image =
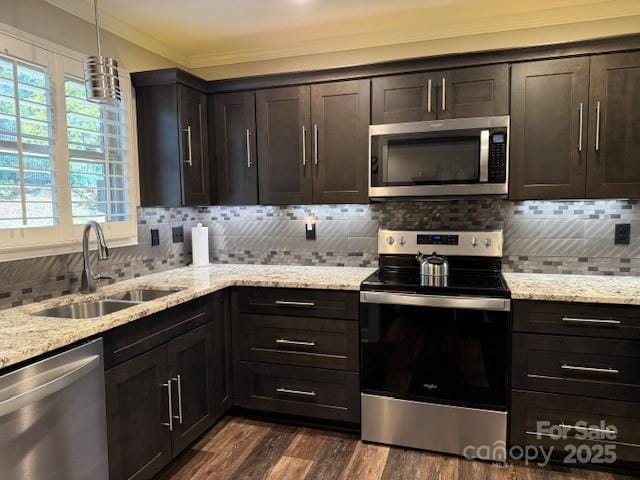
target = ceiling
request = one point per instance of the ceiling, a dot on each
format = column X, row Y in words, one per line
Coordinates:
column 203, row 33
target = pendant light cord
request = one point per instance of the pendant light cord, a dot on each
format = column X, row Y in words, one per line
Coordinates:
column 95, row 8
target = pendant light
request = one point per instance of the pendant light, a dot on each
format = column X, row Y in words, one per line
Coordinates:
column 101, row 73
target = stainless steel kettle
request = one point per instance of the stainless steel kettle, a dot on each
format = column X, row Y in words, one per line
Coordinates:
column 433, row 265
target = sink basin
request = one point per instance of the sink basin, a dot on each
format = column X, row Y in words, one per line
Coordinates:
column 143, row 295
column 86, row 309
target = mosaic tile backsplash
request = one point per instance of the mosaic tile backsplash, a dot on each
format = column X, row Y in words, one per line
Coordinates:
column 573, row 237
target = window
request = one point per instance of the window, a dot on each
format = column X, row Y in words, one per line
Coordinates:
column 97, row 157
column 27, row 196
column 63, row 159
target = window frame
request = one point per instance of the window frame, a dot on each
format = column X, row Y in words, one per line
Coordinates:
column 64, row 236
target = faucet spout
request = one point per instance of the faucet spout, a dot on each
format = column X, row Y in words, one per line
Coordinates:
column 88, row 280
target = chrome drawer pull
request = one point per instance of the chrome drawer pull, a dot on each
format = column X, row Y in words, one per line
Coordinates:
column 178, row 379
column 296, row 392
column 284, row 341
column 587, row 429
column 591, row 321
column 170, row 423
column 613, row 371
column 286, row 303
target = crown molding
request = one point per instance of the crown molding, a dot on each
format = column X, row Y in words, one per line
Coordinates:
column 84, row 10
column 509, row 23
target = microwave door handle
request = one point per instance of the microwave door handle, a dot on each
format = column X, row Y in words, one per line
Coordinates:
column 484, row 156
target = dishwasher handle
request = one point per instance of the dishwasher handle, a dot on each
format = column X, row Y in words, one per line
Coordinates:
column 55, row 380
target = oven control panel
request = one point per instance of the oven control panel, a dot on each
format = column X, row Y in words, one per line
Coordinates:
column 479, row 243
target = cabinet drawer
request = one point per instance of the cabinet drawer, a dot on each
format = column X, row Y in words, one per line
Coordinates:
column 580, row 319
column 299, row 302
column 303, row 341
column 577, row 365
column 309, row 392
column 124, row 343
column 582, row 418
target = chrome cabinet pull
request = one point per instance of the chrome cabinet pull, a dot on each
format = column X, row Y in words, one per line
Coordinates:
column 580, row 129
column 444, row 94
column 304, row 393
column 429, row 96
column 248, row 138
column 201, row 135
column 597, row 126
column 178, row 380
column 586, row 429
column 286, row 303
column 284, row 341
column 592, row 321
column 304, row 146
column 189, row 160
column 315, row 143
column 577, row 368
column 169, row 394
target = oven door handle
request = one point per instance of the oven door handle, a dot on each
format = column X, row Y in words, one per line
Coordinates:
column 484, row 156
column 438, row 301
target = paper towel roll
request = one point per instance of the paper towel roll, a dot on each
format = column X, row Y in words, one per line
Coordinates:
column 200, row 245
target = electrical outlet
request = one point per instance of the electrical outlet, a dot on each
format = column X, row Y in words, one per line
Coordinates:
column 155, row 237
column 622, row 234
column 178, row 234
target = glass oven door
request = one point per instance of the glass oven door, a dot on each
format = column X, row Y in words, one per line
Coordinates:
column 450, row 355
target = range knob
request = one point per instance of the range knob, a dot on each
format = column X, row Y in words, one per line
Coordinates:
column 487, row 242
column 402, row 241
column 475, row 242
column 390, row 240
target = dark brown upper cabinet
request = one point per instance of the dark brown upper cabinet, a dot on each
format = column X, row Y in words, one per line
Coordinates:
column 284, row 145
column 613, row 161
column 465, row 92
column 340, row 116
column 312, row 143
column 549, row 114
column 234, row 124
column 172, row 139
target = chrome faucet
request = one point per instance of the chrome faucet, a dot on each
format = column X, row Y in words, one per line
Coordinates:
column 89, row 279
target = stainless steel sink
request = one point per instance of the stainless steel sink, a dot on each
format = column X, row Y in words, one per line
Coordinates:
column 142, row 295
column 86, row 309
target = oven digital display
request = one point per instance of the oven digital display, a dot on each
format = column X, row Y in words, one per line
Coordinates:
column 437, row 239
column 498, row 138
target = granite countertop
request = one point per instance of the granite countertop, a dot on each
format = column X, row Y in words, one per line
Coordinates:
column 24, row 336
column 574, row 288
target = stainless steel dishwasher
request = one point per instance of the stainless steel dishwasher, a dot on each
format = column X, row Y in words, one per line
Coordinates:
column 52, row 418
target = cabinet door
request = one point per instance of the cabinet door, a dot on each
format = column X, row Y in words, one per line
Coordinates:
column 194, row 150
column 137, row 409
column 236, row 172
column 473, row 92
column 223, row 359
column 158, row 146
column 404, row 98
column 284, row 145
column 614, row 126
column 340, row 121
column 191, row 360
column 549, row 112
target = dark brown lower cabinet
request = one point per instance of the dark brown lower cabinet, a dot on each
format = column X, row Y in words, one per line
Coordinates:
column 223, row 358
column 139, row 444
column 158, row 403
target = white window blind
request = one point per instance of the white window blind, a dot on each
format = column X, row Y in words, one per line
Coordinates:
column 96, row 136
column 63, row 159
column 27, row 186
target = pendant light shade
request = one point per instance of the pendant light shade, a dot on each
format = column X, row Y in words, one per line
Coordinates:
column 101, row 78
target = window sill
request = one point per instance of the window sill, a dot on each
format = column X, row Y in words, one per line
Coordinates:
column 62, row 248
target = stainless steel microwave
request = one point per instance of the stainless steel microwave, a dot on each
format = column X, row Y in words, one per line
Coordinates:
column 440, row 158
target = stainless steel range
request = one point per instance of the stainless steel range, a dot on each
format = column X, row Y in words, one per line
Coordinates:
column 435, row 341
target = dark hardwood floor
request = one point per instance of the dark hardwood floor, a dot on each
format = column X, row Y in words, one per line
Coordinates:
column 242, row 449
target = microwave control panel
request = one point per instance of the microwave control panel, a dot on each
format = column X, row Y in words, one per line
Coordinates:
column 498, row 157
